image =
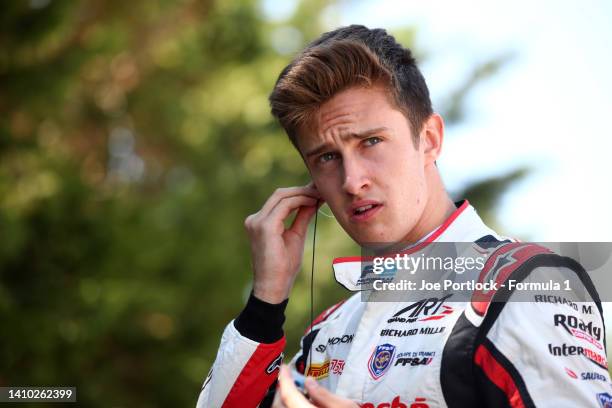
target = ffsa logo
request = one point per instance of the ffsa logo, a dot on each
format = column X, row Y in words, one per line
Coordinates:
column 423, row 310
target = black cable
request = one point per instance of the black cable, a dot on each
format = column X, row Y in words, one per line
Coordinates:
column 314, row 241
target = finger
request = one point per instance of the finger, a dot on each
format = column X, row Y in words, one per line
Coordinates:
column 277, row 403
column 282, row 193
column 314, row 188
column 324, row 398
column 290, row 395
column 312, row 185
column 287, row 206
column 303, row 217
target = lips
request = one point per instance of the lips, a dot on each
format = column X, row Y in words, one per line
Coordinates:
column 363, row 210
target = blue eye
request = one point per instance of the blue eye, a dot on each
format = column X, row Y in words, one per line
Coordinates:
column 372, row 141
column 325, row 157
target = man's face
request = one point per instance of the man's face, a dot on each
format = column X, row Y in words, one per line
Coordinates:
column 363, row 162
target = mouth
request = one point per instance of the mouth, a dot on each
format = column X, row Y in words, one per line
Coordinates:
column 364, row 211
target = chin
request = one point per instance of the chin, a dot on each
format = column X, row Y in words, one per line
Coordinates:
column 364, row 238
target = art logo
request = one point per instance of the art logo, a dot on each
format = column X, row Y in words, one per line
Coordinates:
column 318, row 371
column 380, row 360
column 423, row 310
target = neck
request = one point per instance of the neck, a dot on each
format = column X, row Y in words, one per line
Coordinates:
column 438, row 208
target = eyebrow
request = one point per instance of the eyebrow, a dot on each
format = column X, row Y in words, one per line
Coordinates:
column 361, row 135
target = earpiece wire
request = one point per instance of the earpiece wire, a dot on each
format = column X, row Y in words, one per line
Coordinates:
column 314, row 242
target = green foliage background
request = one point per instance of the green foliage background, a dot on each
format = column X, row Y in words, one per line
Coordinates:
column 135, row 137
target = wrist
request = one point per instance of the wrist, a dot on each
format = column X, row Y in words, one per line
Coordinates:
column 261, row 321
column 272, row 295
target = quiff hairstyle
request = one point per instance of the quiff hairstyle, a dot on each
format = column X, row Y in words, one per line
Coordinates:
column 343, row 58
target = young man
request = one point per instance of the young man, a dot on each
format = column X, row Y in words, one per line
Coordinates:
column 358, row 110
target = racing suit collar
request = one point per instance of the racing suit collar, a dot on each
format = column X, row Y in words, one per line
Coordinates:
column 463, row 225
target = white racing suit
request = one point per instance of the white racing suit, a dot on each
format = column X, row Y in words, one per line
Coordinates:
column 486, row 351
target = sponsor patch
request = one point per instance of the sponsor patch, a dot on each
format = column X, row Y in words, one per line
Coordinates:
column 345, row 338
column 412, row 332
column 414, row 358
column 318, row 371
column 413, row 361
column 275, row 364
column 416, row 354
column 605, row 400
column 592, row 356
column 423, row 310
column 332, row 341
column 593, row 376
column 579, row 329
column 380, row 360
column 555, row 300
column 336, row 366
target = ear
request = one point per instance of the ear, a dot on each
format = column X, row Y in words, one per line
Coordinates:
column 432, row 136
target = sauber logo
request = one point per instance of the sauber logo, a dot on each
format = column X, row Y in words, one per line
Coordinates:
column 593, row 376
column 397, row 403
column 571, row 373
column 579, row 329
column 431, row 309
column 587, row 375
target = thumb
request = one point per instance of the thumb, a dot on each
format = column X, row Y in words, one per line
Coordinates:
column 321, row 396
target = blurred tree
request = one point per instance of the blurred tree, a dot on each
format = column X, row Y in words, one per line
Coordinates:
column 485, row 193
column 135, row 138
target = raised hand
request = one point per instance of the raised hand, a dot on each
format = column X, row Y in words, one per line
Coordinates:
column 276, row 251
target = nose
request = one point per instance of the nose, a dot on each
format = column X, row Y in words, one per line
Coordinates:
column 356, row 178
